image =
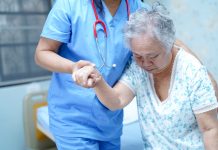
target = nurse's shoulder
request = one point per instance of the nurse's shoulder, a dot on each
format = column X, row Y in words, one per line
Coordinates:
column 69, row 5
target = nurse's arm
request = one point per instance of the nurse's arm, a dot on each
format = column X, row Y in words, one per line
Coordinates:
column 208, row 125
column 186, row 48
column 46, row 56
column 113, row 98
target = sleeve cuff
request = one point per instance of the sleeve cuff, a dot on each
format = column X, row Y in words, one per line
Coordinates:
column 56, row 38
column 205, row 109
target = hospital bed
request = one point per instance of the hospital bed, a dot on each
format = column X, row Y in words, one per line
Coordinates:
column 39, row 137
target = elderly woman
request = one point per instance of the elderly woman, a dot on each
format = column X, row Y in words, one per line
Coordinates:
column 175, row 98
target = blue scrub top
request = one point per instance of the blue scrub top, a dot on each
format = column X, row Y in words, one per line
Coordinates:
column 75, row 111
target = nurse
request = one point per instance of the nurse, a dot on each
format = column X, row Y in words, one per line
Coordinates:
column 77, row 119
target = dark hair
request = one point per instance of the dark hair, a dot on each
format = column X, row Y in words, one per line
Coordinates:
column 99, row 5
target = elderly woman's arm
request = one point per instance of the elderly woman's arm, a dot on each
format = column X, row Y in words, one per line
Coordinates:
column 208, row 125
column 113, row 98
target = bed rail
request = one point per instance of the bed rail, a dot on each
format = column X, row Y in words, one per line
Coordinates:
column 34, row 138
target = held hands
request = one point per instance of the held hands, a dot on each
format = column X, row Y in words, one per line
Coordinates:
column 85, row 74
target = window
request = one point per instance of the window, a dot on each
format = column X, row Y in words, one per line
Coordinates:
column 21, row 22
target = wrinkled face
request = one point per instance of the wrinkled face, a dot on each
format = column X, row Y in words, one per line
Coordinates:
column 150, row 54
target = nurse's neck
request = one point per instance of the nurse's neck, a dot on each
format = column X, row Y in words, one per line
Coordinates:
column 112, row 5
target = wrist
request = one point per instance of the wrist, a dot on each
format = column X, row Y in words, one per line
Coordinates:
column 100, row 83
column 72, row 67
column 72, row 71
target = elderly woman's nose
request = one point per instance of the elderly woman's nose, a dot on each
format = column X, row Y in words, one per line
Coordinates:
column 147, row 62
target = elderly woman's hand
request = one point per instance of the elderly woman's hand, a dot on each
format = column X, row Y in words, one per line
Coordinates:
column 87, row 76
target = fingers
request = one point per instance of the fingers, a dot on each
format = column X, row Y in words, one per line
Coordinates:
column 81, row 76
column 90, row 82
column 87, row 76
column 96, row 77
column 80, row 64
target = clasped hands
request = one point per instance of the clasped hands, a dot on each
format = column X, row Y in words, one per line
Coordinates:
column 85, row 74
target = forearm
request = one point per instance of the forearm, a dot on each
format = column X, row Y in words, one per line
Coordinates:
column 53, row 62
column 107, row 95
column 210, row 138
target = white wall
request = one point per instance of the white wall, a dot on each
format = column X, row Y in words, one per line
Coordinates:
column 11, row 114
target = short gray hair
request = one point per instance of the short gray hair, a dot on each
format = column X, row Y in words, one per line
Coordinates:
column 154, row 22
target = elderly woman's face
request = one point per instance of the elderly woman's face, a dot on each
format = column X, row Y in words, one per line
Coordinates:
column 150, row 54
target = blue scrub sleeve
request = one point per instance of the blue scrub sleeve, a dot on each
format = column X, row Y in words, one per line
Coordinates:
column 58, row 23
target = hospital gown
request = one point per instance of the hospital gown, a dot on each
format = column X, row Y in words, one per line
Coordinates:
column 171, row 124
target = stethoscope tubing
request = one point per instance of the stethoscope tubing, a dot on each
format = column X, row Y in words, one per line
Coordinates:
column 98, row 21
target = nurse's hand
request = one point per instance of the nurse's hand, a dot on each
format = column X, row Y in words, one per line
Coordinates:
column 87, row 76
column 80, row 64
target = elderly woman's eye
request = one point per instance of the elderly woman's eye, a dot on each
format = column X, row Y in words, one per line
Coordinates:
column 152, row 57
column 137, row 57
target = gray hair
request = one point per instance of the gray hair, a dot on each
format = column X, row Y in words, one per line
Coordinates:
column 154, row 22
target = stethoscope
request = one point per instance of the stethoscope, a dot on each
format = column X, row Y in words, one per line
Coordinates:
column 100, row 22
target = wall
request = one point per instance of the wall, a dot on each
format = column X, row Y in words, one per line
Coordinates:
column 197, row 26
column 21, row 22
column 11, row 114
